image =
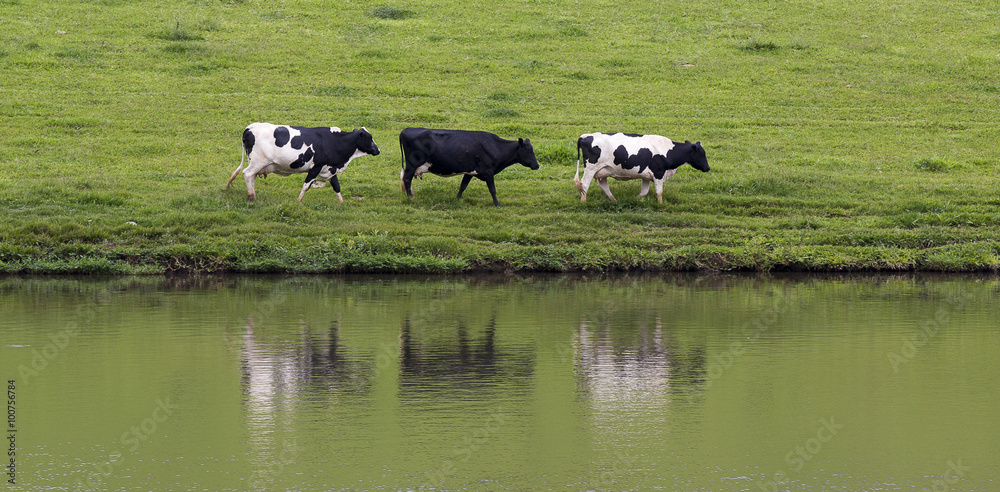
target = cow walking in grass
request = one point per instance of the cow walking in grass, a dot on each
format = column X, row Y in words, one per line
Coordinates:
column 321, row 153
column 453, row 152
column 624, row 156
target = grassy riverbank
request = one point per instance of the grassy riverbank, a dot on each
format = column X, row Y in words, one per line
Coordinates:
column 841, row 135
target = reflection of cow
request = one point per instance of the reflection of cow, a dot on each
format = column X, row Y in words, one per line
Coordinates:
column 611, row 372
column 627, row 386
column 313, row 364
column 461, row 362
column 276, row 376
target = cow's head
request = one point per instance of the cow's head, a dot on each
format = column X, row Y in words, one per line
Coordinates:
column 526, row 154
column 697, row 157
column 366, row 143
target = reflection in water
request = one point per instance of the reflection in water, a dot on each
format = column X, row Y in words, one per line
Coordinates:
column 614, row 375
column 516, row 384
column 457, row 362
column 278, row 376
column 637, row 383
column 270, row 381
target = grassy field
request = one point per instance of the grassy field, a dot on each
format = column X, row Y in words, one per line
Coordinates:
column 841, row 135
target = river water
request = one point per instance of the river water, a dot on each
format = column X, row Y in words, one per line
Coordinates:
column 650, row 382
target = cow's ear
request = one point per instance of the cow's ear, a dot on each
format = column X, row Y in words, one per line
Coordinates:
column 520, row 141
column 687, row 141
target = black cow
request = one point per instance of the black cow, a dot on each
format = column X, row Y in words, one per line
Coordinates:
column 284, row 150
column 454, row 152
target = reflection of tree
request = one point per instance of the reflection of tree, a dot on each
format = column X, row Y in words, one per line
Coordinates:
column 459, row 362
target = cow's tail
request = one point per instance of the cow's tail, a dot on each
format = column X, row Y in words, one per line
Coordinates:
column 576, row 178
column 243, row 155
column 402, row 157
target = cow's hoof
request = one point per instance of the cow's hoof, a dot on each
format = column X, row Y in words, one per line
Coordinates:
column 318, row 184
column 340, row 198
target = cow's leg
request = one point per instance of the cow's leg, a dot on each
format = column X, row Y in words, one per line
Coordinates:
column 250, row 176
column 603, row 183
column 406, row 179
column 659, row 190
column 492, row 187
column 644, row 188
column 310, row 177
column 335, row 186
column 465, row 182
column 584, row 185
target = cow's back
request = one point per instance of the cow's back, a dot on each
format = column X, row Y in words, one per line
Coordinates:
column 610, row 142
column 447, row 148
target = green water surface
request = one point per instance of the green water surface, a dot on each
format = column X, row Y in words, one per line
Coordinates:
column 672, row 382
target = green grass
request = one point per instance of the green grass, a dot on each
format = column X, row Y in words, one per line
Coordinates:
column 841, row 136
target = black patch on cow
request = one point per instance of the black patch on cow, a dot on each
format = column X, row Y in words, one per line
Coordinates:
column 303, row 159
column 248, row 141
column 297, row 142
column 590, row 153
column 644, row 159
column 633, row 135
column 281, row 136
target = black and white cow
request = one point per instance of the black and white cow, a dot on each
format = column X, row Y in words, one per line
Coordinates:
column 284, row 150
column 454, row 152
column 627, row 156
